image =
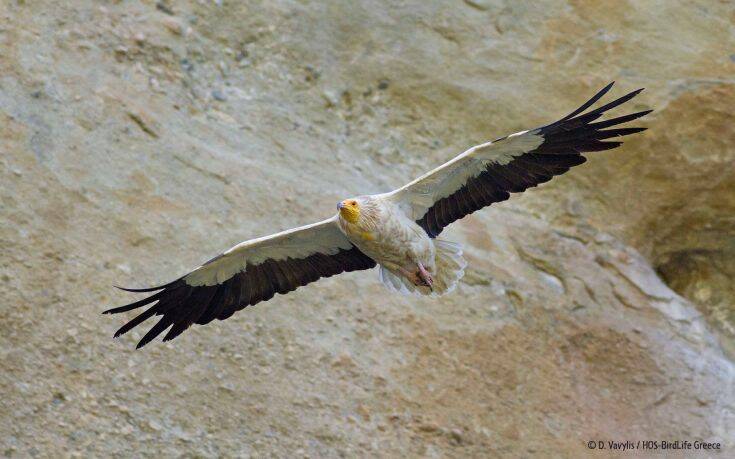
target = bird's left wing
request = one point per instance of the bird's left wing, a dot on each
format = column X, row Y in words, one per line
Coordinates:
column 489, row 172
column 248, row 273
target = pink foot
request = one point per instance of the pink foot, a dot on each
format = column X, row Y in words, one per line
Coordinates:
column 420, row 278
column 426, row 278
column 412, row 276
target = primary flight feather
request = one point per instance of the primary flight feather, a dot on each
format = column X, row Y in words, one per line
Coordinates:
column 397, row 230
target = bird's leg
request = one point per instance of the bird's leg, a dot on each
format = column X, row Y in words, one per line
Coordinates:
column 420, row 278
column 411, row 276
column 426, row 278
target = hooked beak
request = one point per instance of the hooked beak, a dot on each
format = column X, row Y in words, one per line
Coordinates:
column 340, row 205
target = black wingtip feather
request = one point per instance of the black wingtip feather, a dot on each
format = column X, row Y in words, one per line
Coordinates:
column 176, row 330
column 612, row 133
column 616, row 102
column 156, row 330
column 135, row 305
column 602, row 146
column 590, row 102
column 136, row 321
column 619, row 120
column 147, row 289
column 139, row 290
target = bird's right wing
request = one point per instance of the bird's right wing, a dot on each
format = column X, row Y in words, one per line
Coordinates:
column 250, row 272
column 489, row 172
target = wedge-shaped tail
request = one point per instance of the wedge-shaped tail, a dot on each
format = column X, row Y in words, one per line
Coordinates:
column 450, row 265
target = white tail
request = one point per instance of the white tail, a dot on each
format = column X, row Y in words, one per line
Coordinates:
column 449, row 270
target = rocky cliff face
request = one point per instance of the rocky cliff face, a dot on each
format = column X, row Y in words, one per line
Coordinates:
column 138, row 139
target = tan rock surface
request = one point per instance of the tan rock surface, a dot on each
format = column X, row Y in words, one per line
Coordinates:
column 137, row 140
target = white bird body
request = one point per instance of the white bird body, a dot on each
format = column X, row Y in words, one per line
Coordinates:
column 386, row 235
column 398, row 244
column 398, row 230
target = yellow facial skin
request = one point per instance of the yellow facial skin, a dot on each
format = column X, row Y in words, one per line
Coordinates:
column 349, row 210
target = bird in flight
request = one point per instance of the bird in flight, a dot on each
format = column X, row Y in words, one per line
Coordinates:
column 399, row 230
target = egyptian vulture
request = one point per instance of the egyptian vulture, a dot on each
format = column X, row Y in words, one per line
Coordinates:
column 397, row 230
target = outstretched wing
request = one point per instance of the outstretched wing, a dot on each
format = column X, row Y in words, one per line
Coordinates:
column 489, row 172
column 248, row 273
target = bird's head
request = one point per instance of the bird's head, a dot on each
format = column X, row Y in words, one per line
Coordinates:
column 349, row 210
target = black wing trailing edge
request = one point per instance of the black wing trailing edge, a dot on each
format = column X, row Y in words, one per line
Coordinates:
column 562, row 148
column 182, row 305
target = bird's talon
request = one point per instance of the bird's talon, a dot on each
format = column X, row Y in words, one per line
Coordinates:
column 425, row 277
